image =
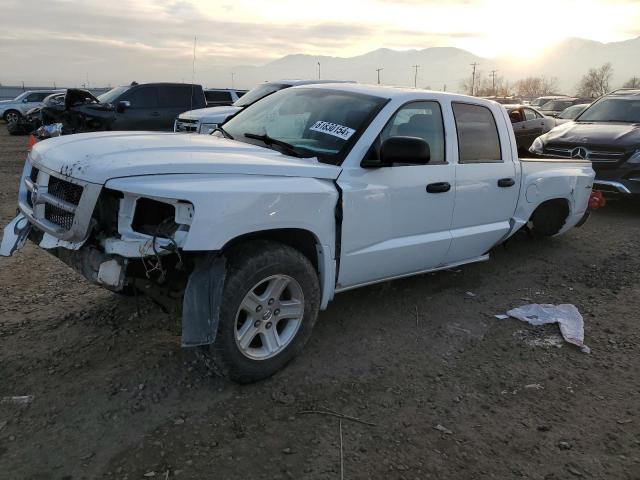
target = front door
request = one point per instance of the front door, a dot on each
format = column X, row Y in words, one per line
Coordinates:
column 143, row 113
column 487, row 183
column 396, row 219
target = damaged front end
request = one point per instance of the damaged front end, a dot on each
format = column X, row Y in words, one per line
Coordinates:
column 123, row 242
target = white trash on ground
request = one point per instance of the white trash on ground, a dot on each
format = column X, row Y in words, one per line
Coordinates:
column 567, row 315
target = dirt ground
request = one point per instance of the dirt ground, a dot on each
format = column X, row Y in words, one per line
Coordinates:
column 447, row 390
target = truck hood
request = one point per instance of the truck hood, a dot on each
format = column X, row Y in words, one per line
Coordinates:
column 622, row 135
column 210, row 115
column 101, row 156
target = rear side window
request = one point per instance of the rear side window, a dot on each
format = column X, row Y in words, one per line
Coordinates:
column 478, row 140
column 175, row 96
column 143, row 97
column 218, row 96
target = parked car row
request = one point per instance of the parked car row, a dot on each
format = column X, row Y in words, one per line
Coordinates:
column 206, row 120
column 150, row 106
column 12, row 110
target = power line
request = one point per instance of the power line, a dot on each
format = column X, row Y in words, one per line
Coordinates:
column 473, row 78
column 415, row 77
column 378, row 70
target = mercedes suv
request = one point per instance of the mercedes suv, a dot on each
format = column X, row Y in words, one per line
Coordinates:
column 608, row 134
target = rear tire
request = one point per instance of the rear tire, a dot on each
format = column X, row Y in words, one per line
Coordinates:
column 270, row 304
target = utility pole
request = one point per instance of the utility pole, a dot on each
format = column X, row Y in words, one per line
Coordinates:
column 319, row 71
column 379, row 70
column 233, row 74
column 415, row 76
column 493, row 78
column 473, row 78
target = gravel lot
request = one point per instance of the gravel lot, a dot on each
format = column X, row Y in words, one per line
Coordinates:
column 448, row 391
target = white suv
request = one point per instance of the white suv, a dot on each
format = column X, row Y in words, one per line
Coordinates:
column 206, row 120
column 12, row 110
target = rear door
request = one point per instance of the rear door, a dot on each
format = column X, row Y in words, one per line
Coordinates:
column 487, row 182
column 396, row 219
column 174, row 100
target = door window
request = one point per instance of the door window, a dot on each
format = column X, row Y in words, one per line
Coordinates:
column 422, row 120
column 37, row 97
column 478, row 140
column 530, row 114
column 144, row 97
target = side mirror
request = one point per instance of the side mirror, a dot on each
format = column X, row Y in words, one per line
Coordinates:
column 25, row 100
column 411, row 150
column 122, row 106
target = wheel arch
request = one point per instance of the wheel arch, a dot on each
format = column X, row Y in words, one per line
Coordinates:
column 307, row 243
column 558, row 202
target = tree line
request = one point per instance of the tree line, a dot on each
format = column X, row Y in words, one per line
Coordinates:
column 595, row 83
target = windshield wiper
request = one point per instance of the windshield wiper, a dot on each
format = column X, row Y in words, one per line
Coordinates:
column 225, row 134
column 287, row 147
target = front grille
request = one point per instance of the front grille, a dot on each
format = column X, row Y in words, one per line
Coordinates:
column 186, row 125
column 60, row 217
column 67, row 191
column 593, row 154
column 61, row 207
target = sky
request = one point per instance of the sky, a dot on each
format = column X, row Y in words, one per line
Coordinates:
column 111, row 42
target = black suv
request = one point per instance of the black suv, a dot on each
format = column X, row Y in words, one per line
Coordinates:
column 608, row 134
column 152, row 106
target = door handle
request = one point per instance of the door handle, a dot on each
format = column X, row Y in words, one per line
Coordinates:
column 506, row 182
column 155, row 114
column 439, row 187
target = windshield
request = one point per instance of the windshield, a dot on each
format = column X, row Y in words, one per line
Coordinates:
column 313, row 122
column 255, row 94
column 571, row 112
column 612, row 110
column 112, row 95
column 556, row 105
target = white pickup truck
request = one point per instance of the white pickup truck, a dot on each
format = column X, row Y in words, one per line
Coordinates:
column 310, row 192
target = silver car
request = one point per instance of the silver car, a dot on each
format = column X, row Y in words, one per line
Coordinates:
column 12, row 110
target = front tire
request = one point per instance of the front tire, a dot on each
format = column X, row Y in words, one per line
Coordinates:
column 11, row 116
column 270, row 304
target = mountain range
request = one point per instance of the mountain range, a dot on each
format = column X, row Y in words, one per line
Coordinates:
column 442, row 68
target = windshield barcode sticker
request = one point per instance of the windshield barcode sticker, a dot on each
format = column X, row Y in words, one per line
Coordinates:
column 333, row 129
